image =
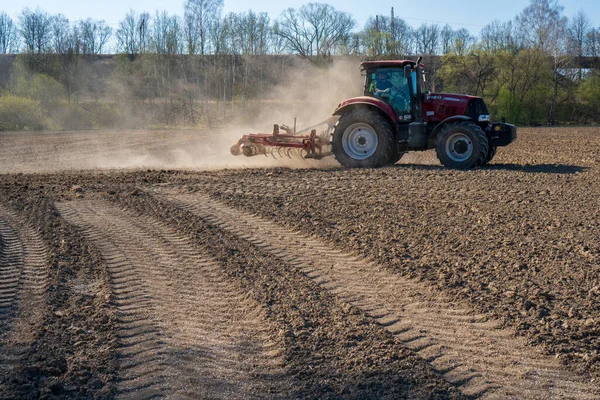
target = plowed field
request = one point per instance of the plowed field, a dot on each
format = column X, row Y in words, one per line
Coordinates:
column 412, row 281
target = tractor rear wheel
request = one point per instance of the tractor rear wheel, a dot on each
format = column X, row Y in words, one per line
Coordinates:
column 363, row 139
column 462, row 145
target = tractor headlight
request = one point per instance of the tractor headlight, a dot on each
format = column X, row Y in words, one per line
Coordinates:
column 484, row 118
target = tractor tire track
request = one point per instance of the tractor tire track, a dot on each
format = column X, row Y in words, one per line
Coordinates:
column 23, row 282
column 184, row 330
column 468, row 349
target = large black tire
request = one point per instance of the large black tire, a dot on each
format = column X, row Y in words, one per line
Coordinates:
column 462, row 145
column 363, row 139
column 491, row 154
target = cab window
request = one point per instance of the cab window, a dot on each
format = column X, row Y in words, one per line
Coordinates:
column 391, row 86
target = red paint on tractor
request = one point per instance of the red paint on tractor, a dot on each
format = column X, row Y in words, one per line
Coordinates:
column 439, row 106
column 367, row 101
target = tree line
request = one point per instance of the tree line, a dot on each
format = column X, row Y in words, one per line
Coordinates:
column 314, row 29
column 528, row 69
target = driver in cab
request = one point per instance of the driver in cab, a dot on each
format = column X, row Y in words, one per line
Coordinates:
column 382, row 84
column 382, row 87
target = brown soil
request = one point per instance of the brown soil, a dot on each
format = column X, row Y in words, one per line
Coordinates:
column 412, row 281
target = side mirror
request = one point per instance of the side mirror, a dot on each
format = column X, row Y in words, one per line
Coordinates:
column 407, row 71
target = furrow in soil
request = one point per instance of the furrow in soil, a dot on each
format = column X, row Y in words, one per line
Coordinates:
column 184, row 330
column 470, row 350
column 23, row 281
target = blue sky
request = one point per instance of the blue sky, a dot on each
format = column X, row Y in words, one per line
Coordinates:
column 470, row 14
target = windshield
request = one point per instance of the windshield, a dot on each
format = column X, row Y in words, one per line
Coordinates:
column 390, row 85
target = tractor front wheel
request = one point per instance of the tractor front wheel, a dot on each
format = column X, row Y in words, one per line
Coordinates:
column 491, row 154
column 363, row 139
column 462, row 145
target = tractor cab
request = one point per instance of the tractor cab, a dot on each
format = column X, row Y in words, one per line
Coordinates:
column 396, row 83
column 392, row 86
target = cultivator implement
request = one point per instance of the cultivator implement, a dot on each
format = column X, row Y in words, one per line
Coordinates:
column 286, row 142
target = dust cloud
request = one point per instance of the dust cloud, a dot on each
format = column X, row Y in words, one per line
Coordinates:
column 308, row 95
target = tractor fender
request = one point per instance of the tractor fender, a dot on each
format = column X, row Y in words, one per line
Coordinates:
column 441, row 125
column 367, row 102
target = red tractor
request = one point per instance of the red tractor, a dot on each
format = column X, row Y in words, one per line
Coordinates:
column 395, row 116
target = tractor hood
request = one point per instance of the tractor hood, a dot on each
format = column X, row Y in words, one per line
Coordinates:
column 451, row 97
column 439, row 106
column 366, row 101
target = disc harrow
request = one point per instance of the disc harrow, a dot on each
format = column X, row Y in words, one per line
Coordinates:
column 286, row 142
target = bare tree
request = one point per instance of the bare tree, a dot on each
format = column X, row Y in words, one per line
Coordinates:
column 9, row 39
column 61, row 34
column 126, row 34
column 446, row 39
column 297, row 37
column 542, row 24
column 558, row 49
column 577, row 32
column 167, row 34
column 350, row 46
column 462, row 41
column 66, row 43
column 452, row 41
column 94, row 36
column 499, row 36
column 543, row 28
column 374, row 36
column 328, row 25
column 36, row 30
column 199, row 16
column 277, row 43
column 219, row 34
column 592, row 43
column 427, row 39
column 386, row 35
column 254, row 31
column 132, row 34
column 315, row 30
column 232, row 34
column 191, row 33
column 246, row 33
column 401, row 36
